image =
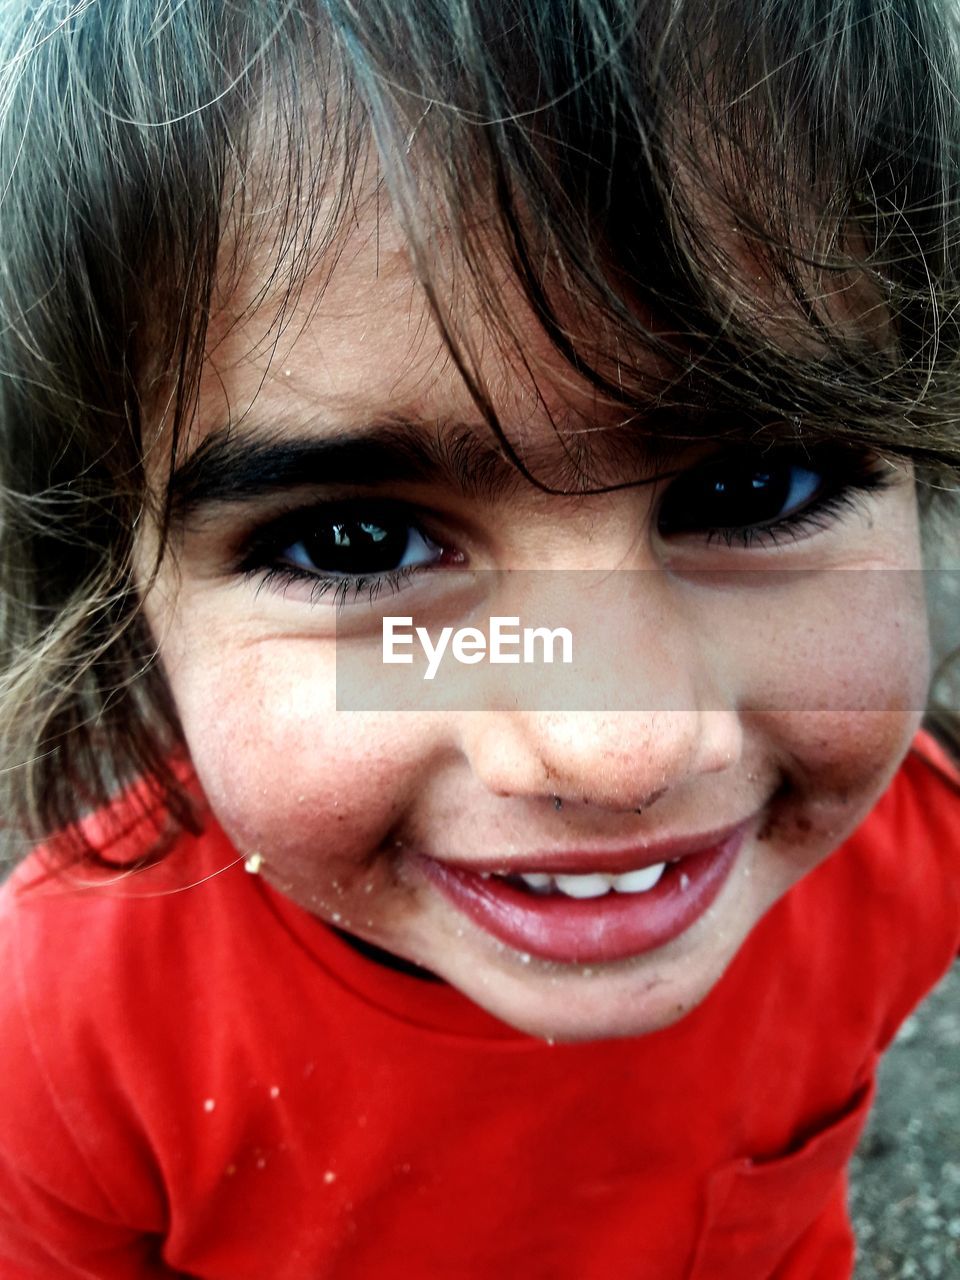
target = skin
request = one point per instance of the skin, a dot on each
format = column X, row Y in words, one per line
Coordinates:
column 743, row 672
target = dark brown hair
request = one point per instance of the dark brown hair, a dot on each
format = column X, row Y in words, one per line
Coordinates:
column 684, row 177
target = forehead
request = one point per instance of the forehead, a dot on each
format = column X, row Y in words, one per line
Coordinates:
column 351, row 336
column 324, row 336
column 355, row 339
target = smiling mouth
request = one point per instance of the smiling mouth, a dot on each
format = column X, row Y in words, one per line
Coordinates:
column 586, row 885
column 545, row 908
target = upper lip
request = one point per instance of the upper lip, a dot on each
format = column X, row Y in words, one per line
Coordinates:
column 616, row 861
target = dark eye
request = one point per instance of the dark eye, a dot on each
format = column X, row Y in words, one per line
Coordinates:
column 739, row 492
column 357, row 547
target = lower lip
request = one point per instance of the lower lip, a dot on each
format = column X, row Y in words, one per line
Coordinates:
column 592, row 930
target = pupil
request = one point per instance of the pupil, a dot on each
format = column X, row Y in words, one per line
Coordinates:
column 745, row 495
column 357, row 547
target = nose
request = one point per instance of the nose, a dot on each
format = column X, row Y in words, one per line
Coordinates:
column 618, row 760
column 649, row 705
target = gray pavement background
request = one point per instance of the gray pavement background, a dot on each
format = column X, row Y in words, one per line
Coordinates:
column 905, row 1178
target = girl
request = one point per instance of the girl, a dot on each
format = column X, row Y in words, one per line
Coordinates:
column 320, row 315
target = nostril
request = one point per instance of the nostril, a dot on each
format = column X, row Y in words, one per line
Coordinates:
column 646, row 802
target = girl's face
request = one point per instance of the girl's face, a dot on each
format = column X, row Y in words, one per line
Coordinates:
column 786, row 699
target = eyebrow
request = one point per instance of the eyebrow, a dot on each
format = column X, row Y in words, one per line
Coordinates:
column 236, row 466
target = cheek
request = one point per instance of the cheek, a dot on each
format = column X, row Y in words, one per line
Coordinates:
column 851, row 642
column 834, row 685
column 854, row 680
column 835, row 766
column 286, row 775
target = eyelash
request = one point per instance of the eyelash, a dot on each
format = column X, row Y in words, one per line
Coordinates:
column 857, row 476
column 345, row 591
column 260, row 553
column 821, row 514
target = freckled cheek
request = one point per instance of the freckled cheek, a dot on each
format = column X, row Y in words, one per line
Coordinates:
column 855, row 639
column 866, row 685
column 285, row 774
column 850, row 696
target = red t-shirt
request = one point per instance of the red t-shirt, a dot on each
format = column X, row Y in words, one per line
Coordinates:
column 211, row 1083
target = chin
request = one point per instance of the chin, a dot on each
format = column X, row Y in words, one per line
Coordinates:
column 567, row 1004
column 573, row 1002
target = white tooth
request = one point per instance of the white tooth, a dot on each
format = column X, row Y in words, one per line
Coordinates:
column 536, row 879
column 639, row 881
column 590, row 886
